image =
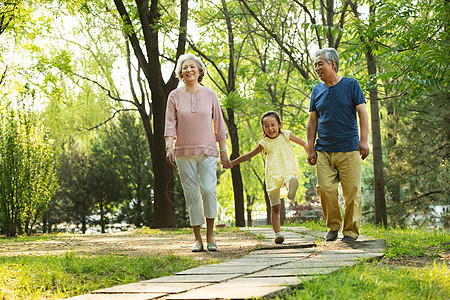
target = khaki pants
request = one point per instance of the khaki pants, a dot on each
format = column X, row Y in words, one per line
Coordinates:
column 344, row 167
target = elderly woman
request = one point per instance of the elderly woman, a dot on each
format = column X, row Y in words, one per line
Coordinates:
column 191, row 111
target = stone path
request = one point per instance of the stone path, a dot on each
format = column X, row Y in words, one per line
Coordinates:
column 269, row 270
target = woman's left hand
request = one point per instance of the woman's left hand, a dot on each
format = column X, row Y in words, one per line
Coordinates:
column 226, row 163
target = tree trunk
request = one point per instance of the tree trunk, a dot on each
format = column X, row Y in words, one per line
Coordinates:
column 380, row 201
column 236, row 175
column 83, row 224
column 102, row 215
column 283, row 211
column 249, row 211
column 163, row 204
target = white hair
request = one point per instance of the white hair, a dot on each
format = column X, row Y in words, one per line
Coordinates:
column 330, row 55
column 185, row 57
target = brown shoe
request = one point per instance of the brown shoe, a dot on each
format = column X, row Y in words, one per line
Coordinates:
column 279, row 238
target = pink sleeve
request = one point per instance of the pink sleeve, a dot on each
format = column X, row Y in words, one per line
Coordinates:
column 220, row 129
column 171, row 117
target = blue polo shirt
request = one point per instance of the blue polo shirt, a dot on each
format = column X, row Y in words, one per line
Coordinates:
column 337, row 117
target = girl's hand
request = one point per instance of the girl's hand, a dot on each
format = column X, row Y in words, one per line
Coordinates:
column 226, row 163
column 312, row 157
column 306, row 147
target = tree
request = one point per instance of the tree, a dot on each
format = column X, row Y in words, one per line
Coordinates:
column 7, row 14
column 227, row 85
column 367, row 38
column 74, row 186
column 27, row 171
column 126, row 145
column 104, row 181
column 150, row 21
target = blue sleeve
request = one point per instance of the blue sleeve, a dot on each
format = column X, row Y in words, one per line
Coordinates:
column 312, row 102
column 358, row 95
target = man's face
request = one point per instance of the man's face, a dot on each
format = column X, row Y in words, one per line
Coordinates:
column 323, row 69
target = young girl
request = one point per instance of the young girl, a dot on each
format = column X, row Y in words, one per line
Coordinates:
column 281, row 165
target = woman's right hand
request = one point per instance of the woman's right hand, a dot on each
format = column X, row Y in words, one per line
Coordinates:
column 170, row 156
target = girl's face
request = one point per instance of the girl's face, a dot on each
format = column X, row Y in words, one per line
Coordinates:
column 190, row 71
column 271, row 127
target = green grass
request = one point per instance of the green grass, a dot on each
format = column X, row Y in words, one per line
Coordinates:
column 56, row 277
column 410, row 242
column 370, row 281
column 36, row 238
column 379, row 280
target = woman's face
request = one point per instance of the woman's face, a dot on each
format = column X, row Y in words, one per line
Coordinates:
column 271, row 127
column 190, row 71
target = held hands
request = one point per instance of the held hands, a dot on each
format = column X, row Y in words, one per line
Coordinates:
column 312, row 157
column 363, row 150
column 226, row 163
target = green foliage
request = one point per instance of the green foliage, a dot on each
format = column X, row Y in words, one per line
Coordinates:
column 124, row 144
column 27, row 173
column 56, row 277
column 74, row 193
column 112, row 174
column 67, row 67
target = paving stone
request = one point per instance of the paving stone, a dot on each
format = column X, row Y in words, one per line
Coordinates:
column 307, row 264
column 146, row 296
column 292, row 272
column 223, row 269
column 290, row 244
column 350, row 256
column 211, row 278
column 261, row 281
column 263, row 273
column 297, row 252
column 260, row 260
column 215, row 292
column 152, row 287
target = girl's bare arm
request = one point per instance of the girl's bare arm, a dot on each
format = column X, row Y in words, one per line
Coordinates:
column 247, row 156
column 299, row 141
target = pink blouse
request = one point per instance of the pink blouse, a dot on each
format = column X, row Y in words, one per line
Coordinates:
column 189, row 120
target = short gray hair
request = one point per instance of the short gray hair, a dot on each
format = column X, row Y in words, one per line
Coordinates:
column 330, row 55
column 185, row 57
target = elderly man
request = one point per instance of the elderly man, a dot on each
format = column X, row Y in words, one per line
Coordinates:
column 336, row 152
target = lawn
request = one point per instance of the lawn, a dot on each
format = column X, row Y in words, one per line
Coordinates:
column 414, row 267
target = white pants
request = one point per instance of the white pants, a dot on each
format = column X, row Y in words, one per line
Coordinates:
column 199, row 181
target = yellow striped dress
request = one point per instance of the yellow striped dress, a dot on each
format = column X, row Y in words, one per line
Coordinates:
column 281, row 163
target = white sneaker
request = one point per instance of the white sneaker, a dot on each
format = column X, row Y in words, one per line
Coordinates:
column 292, row 188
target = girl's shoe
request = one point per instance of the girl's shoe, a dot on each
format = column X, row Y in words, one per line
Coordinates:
column 292, row 188
column 279, row 238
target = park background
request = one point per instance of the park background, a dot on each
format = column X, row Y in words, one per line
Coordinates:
column 84, row 86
